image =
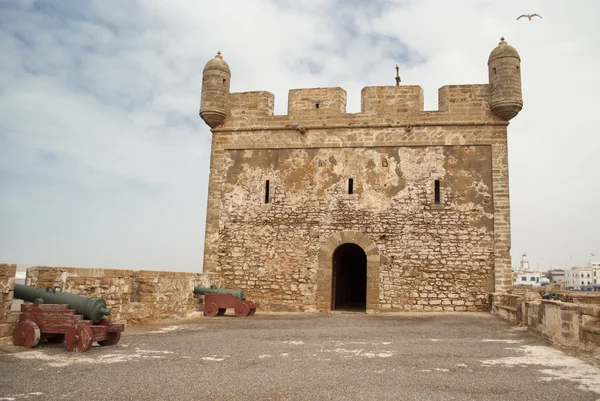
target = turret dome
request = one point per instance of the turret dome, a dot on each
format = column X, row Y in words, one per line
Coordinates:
column 217, row 63
column 503, row 50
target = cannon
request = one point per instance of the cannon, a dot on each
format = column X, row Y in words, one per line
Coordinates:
column 52, row 316
column 217, row 300
column 93, row 309
column 239, row 294
column 548, row 295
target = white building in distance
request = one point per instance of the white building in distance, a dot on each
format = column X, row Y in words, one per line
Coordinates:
column 583, row 278
column 556, row 276
column 525, row 276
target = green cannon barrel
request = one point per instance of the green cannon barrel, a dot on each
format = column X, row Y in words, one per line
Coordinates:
column 548, row 295
column 239, row 294
column 91, row 308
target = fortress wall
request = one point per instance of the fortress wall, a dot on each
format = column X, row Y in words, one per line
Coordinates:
column 434, row 257
column 135, row 296
column 8, row 320
column 286, row 279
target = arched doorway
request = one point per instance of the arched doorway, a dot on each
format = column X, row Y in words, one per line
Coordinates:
column 325, row 268
column 349, row 278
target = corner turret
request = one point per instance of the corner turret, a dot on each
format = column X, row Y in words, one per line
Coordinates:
column 504, row 67
column 216, row 79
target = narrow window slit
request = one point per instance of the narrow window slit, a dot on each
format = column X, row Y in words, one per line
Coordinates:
column 350, row 186
column 437, row 192
column 317, row 105
column 267, row 191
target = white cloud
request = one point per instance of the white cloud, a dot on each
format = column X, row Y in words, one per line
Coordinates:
column 104, row 161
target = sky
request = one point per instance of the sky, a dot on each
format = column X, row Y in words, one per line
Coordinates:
column 104, row 161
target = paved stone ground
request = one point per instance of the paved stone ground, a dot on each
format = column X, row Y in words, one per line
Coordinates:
column 468, row 356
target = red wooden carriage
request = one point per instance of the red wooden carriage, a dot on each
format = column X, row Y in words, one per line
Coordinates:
column 57, row 323
column 217, row 304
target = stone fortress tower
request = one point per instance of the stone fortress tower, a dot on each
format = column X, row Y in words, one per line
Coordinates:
column 392, row 208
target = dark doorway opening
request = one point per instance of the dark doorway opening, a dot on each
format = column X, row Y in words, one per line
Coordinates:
column 349, row 274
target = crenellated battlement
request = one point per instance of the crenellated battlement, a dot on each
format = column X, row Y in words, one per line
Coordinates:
column 466, row 103
column 494, row 103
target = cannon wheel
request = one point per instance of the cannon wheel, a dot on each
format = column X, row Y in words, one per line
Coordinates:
column 79, row 337
column 242, row 310
column 56, row 339
column 112, row 337
column 221, row 311
column 27, row 334
column 211, row 309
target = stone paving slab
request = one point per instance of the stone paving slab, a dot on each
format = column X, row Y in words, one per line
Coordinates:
column 431, row 356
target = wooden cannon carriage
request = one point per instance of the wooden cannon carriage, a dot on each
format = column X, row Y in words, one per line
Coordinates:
column 217, row 300
column 57, row 323
column 57, row 317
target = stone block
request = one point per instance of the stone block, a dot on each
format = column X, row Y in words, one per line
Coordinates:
column 6, row 329
column 147, row 297
column 14, row 317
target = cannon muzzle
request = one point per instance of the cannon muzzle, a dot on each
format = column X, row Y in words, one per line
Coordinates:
column 239, row 294
column 91, row 308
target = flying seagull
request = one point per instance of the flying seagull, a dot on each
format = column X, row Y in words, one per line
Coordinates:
column 529, row 16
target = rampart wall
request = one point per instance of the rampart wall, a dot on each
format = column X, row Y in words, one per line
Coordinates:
column 134, row 296
column 380, row 105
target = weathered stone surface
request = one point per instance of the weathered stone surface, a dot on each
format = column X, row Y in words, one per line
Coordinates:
column 268, row 249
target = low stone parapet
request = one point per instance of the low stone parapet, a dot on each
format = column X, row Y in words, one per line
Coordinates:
column 134, row 296
column 507, row 306
column 566, row 324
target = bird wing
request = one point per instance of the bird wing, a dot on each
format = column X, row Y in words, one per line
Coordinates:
column 524, row 15
column 536, row 15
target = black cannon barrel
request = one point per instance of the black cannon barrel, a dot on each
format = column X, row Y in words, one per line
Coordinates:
column 91, row 308
column 239, row 294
